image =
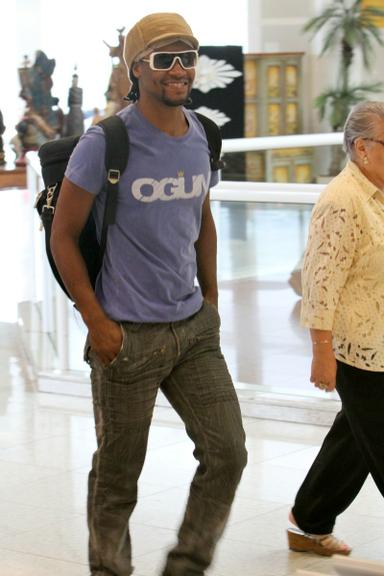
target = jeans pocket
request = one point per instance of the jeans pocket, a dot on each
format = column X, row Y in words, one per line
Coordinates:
column 212, row 309
column 122, row 347
column 86, row 350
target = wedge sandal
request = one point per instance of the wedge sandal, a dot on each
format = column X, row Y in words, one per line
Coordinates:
column 324, row 545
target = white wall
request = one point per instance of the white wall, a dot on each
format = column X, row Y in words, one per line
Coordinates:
column 73, row 32
column 10, row 104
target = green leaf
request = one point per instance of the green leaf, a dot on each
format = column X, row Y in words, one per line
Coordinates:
column 347, row 29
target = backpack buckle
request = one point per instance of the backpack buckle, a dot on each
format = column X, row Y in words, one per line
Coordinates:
column 49, row 199
column 113, row 176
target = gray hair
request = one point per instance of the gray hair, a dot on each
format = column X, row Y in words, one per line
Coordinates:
column 362, row 123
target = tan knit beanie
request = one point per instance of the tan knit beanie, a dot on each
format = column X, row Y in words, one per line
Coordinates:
column 154, row 30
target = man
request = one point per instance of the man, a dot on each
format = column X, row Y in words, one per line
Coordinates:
column 150, row 327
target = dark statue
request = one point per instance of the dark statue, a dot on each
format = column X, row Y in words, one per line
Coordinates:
column 74, row 120
column 42, row 119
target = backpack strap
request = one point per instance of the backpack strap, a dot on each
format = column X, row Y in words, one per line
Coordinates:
column 116, row 159
column 213, row 135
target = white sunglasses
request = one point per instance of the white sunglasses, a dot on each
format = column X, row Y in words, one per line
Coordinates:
column 167, row 60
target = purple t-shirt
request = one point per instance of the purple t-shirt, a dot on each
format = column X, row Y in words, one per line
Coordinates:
column 149, row 267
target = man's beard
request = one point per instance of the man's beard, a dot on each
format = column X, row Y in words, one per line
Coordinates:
column 173, row 103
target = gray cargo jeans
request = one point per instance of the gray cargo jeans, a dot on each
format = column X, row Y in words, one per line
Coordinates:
column 184, row 360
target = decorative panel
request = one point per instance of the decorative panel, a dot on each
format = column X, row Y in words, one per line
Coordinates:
column 291, row 81
column 250, row 119
column 303, row 172
column 255, row 166
column 250, row 78
column 274, row 128
column 273, row 107
column 379, row 22
column 291, row 118
column 273, row 81
column 280, row 173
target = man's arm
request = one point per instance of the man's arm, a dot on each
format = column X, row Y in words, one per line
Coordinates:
column 206, row 253
column 71, row 214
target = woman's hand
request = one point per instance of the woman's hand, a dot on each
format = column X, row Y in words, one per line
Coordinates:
column 323, row 372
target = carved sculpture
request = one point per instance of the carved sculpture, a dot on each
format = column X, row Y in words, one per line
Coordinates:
column 74, row 120
column 119, row 84
column 42, row 119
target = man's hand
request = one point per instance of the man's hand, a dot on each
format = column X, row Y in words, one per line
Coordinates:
column 106, row 339
column 212, row 299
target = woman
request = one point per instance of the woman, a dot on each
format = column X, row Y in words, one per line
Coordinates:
column 343, row 306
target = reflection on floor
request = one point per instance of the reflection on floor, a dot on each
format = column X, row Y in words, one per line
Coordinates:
column 266, row 349
column 258, row 246
column 46, row 443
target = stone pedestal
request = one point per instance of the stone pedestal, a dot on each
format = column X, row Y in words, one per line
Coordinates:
column 12, row 176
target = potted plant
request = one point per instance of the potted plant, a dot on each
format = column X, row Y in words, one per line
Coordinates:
column 348, row 26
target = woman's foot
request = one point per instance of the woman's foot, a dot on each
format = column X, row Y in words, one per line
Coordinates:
column 322, row 544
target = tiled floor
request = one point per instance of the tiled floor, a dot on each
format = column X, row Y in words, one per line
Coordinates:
column 46, row 443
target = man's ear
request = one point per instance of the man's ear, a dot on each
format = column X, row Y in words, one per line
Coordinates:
column 136, row 69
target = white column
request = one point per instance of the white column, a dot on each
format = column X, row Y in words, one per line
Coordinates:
column 8, row 72
column 255, row 39
column 62, row 329
column 28, row 28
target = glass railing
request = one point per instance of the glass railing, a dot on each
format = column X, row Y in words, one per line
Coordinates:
column 262, row 230
column 299, row 158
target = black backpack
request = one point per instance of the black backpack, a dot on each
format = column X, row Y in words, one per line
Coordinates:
column 54, row 156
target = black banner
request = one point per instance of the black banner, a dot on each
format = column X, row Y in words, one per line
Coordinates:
column 219, row 88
